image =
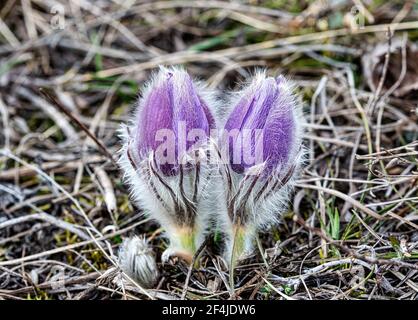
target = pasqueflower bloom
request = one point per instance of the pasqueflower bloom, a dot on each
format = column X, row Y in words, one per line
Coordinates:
column 165, row 158
column 262, row 145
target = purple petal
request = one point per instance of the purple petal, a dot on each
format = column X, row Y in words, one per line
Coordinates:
column 174, row 104
column 263, row 107
column 187, row 107
column 156, row 113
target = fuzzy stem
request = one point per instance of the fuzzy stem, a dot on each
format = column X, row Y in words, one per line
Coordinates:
column 187, row 239
column 185, row 243
column 239, row 246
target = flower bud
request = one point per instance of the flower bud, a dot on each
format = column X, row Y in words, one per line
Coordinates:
column 265, row 120
column 137, row 260
column 262, row 139
column 171, row 111
column 165, row 158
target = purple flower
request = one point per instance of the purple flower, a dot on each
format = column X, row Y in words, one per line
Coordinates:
column 170, row 111
column 262, row 145
column 184, row 180
column 165, row 155
column 264, row 119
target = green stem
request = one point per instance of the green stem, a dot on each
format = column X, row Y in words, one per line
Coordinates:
column 185, row 242
column 238, row 248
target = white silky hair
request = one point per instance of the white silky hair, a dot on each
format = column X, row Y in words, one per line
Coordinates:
column 265, row 211
column 150, row 191
column 137, row 260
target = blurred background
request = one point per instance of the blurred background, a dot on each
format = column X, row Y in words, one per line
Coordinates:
column 351, row 231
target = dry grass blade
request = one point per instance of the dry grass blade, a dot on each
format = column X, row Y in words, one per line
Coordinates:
column 56, row 103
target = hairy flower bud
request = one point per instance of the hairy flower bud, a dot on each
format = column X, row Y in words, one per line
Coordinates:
column 164, row 158
column 137, row 260
column 263, row 150
column 173, row 110
column 263, row 108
